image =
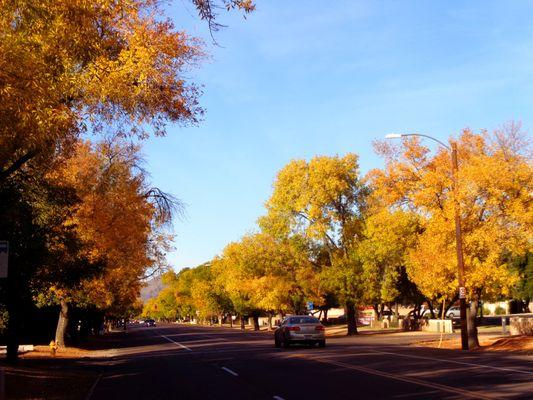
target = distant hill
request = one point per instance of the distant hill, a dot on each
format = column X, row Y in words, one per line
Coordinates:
column 151, row 288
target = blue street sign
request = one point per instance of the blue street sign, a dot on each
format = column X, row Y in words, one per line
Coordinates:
column 309, row 305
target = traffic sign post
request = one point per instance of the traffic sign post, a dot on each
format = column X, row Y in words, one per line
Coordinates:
column 4, row 255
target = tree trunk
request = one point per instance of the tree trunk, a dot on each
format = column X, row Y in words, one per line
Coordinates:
column 231, row 321
column 325, row 317
column 220, row 319
column 242, row 323
column 351, row 318
column 13, row 309
column 471, row 313
column 417, row 311
column 376, row 312
column 256, row 322
column 431, row 312
column 269, row 314
column 12, row 336
column 62, row 324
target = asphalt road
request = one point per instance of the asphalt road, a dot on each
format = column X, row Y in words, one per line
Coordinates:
column 188, row 362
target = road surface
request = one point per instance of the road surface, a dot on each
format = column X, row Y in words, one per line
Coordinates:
column 191, row 362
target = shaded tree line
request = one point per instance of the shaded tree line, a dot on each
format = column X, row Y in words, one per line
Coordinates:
column 83, row 223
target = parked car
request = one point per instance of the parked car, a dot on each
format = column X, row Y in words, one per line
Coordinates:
column 453, row 312
column 300, row 329
column 149, row 322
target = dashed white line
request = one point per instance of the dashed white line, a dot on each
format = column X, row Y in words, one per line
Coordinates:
column 93, row 386
column 173, row 341
column 278, row 398
column 229, row 371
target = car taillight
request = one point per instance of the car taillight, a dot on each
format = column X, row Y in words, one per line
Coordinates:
column 293, row 328
column 319, row 328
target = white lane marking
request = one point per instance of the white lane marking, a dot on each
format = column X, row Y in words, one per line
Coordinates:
column 229, row 371
column 454, row 362
column 278, row 398
column 91, row 390
column 173, row 341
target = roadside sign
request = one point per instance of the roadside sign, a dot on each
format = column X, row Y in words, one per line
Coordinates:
column 310, row 305
column 4, row 253
column 462, row 292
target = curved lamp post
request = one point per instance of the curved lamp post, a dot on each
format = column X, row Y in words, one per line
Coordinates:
column 458, row 235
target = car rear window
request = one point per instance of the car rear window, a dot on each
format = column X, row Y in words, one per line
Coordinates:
column 304, row 320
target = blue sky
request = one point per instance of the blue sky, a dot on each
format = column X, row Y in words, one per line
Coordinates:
column 302, row 78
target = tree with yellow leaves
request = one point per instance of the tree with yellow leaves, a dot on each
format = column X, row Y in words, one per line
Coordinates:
column 118, row 224
column 103, row 66
column 494, row 195
column 324, row 200
column 388, row 238
column 262, row 274
column 71, row 65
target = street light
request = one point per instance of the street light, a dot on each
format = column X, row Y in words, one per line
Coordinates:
column 458, row 235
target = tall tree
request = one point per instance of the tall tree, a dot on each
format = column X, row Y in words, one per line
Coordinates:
column 494, row 187
column 324, row 200
column 69, row 65
column 388, row 238
column 235, row 271
column 34, row 225
column 115, row 219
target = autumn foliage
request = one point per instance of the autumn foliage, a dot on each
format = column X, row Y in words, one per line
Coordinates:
column 334, row 238
column 84, row 225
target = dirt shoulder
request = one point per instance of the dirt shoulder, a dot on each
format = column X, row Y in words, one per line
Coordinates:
column 70, row 374
column 518, row 344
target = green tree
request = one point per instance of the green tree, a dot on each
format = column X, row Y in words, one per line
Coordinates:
column 523, row 291
column 324, row 200
column 388, row 238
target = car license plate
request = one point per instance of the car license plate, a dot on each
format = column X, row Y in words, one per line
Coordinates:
column 308, row 336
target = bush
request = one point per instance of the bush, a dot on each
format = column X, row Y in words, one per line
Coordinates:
column 486, row 311
column 499, row 310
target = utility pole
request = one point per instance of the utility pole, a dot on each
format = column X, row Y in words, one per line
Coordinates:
column 459, row 249
column 458, row 233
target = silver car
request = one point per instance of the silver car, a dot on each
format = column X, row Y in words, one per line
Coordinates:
column 300, row 329
column 453, row 312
